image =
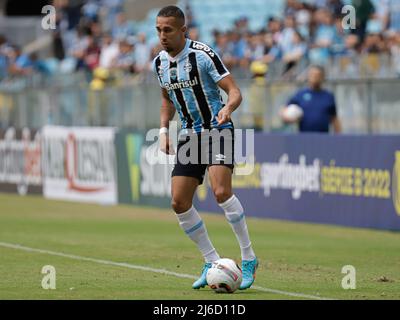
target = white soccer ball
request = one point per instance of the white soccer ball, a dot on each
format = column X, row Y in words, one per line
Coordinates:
column 224, row 276
column 293, row 112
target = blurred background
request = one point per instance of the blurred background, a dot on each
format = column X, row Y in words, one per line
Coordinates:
column 94, row 68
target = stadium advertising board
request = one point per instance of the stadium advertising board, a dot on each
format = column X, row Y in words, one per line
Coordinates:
column 20, row 161
column 344, row 180
column 79, row 164
column 141, row 179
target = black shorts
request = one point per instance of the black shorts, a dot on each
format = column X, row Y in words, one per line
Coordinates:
column 195, row 152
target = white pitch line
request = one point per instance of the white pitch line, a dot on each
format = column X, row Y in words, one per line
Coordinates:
column 144, row 268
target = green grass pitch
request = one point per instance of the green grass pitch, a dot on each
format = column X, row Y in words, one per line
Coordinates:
column 295, row 258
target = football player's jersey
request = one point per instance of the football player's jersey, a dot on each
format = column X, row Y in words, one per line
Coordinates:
column 190, row 79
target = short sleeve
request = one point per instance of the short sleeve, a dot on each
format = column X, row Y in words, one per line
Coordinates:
column 215, row 67
column 157, row 70
column 332, row 107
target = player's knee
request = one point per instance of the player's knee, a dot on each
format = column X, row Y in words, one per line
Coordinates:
column 222, row 194
column 180, row 205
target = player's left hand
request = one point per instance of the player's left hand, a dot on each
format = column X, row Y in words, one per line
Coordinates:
column 224, row 115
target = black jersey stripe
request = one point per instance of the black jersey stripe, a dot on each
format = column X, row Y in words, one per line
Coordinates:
column 199, row 92
column 212, row 54
column 158, row 64
column 179, row 96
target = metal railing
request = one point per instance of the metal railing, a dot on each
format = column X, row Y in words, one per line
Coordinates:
column 370, row 105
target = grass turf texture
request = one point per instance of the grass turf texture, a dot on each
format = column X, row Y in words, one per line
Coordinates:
column 294, row 257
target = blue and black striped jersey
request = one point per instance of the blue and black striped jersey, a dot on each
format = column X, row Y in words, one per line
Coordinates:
column 190, row 79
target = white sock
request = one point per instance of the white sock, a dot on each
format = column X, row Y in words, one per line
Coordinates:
column 191, row 222
column 234, row 214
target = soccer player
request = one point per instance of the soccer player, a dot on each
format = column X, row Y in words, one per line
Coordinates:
column 190, row 75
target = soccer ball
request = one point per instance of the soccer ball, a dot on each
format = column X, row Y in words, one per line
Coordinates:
column 224, row 276
column 293, row 112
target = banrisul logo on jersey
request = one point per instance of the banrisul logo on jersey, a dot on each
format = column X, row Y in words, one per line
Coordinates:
column 181, row 84
column 323, row 179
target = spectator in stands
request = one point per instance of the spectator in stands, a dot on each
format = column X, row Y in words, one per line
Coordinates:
column 318, row 105
column 239, row 46
column 382, row 13
column 323, row 39
column 286, row 39
column 257, row 46
column 224, row 49
column 125, row 61
column 92, row 54
column 95, row 30
column 394, row 15
column 109, row 51
column 303, row 19
column 364, row 11
column 338, row 41
column 123, row 28
column 348, row 57
column 295, row 53
column 142, row 53
column 373, row 43
column 292, row 6
column 241, row 25
column 4, row 48
column 79, row 47
column 274, row 26
column 20, row 64
column 110, row 10
column 91, row 9
column 190, row 21
column 335, row 7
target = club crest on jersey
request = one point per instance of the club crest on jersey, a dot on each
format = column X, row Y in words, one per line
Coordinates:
column 173, row 73
column 187, row 67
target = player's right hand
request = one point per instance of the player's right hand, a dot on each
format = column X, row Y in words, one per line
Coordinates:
column 165, row 144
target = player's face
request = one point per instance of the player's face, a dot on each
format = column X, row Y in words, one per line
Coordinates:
column 170, row 32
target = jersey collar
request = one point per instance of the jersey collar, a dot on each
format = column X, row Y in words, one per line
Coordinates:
column 180, row 54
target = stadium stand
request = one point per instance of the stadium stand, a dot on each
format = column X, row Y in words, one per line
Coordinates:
column 100, row 44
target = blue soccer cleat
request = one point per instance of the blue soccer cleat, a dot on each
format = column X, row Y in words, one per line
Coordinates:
column 202, row 281
column 249, row 268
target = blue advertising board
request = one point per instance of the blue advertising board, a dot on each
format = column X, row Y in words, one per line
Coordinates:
column 344, row 180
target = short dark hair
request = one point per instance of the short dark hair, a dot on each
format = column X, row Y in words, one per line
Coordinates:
column 172, row 11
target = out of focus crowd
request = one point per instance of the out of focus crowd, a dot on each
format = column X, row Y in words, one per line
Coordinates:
column 318, row 32
column 96, row 37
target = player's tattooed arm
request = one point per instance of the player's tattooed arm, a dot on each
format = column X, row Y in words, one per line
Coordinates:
column 228, row 84
column 167, row 113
